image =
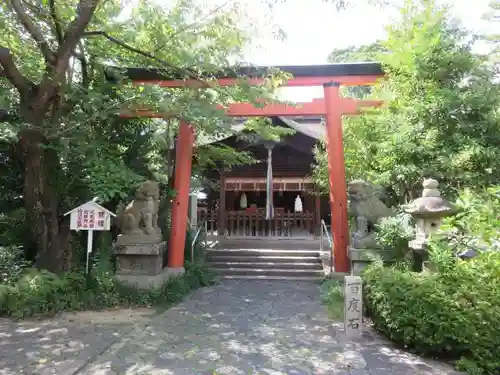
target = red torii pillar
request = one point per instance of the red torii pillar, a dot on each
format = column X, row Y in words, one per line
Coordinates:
column 183, row 164
column 335, row 107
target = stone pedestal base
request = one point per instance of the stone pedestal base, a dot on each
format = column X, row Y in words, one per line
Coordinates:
column 135, row 239
column 361, row 258
column 140, row 259
column 150, row 281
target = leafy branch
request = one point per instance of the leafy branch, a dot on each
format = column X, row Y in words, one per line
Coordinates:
column 34, row 31
column 187, row 73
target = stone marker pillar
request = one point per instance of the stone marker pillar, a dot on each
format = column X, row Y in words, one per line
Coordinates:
column 353, row 306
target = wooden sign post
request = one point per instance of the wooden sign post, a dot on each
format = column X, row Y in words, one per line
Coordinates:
column 90, row 216
column 353, row 306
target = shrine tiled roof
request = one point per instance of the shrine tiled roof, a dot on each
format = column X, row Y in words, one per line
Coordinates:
column 311, row 127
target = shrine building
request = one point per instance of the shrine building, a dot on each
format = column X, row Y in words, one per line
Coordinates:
column 274, row 197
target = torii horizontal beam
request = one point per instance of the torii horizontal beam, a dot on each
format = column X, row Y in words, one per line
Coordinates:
column 317, row 107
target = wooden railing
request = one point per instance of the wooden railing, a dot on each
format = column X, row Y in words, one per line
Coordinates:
column 212, row 220
column 254, row 224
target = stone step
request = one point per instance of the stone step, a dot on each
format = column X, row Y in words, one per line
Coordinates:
column 273, row 260
column 262, row 252
column 263, row 259
column 266, row 265
column 283, row 244
column 267, row 277
column 276, row 272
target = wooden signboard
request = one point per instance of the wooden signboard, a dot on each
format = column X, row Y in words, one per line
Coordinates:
column 90, row 216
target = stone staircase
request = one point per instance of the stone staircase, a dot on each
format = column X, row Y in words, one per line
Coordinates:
column 267, row 259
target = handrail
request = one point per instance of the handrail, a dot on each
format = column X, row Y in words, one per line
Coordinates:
column 324, row 230
column 203, row 225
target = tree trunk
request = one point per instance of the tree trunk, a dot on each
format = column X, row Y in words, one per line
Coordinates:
column 49, row 231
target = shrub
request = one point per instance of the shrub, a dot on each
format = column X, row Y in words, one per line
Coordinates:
column 476, row 226
column 332, row 296
column 392, row 236
column 451, row 313
column 13, row 226
column 12, row 264
column 479, row 216
column 41, row 292
column 205, row 275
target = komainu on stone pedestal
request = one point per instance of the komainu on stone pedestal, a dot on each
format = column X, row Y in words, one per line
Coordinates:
column 367, row 210
column 138, row 221
column 139, row 248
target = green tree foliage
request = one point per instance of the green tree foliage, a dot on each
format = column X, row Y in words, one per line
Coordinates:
column 440, row 117
column 493, row 16
column 60, row 131
column 365, row 53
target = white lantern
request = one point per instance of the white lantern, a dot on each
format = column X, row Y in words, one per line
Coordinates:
column 298, row 204
column 243, row 201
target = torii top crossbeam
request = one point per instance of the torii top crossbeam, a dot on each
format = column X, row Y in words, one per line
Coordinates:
column 333, row 106
column 351, row 74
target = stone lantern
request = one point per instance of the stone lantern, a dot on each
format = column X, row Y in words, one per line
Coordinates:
column 428, row 211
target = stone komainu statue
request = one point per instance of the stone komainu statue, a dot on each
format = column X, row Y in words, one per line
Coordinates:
column 140, row 217
column 367, row 210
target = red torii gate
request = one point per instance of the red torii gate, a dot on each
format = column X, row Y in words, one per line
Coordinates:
column 333, row 107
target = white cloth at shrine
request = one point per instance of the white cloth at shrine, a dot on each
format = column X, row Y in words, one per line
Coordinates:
column 269, row 185
column 243, row 201
column 298, row 204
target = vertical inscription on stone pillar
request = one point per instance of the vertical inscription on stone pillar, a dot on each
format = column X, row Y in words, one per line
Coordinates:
column 353, row 306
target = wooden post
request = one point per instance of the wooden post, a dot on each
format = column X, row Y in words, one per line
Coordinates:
column 221, row 225
column 90, row 239
column 336, row 173
column 183, row 161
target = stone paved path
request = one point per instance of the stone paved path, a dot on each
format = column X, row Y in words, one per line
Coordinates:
column 64, row 344
column 253, row 327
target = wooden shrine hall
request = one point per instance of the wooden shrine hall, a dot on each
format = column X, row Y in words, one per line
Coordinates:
column 280, row 176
